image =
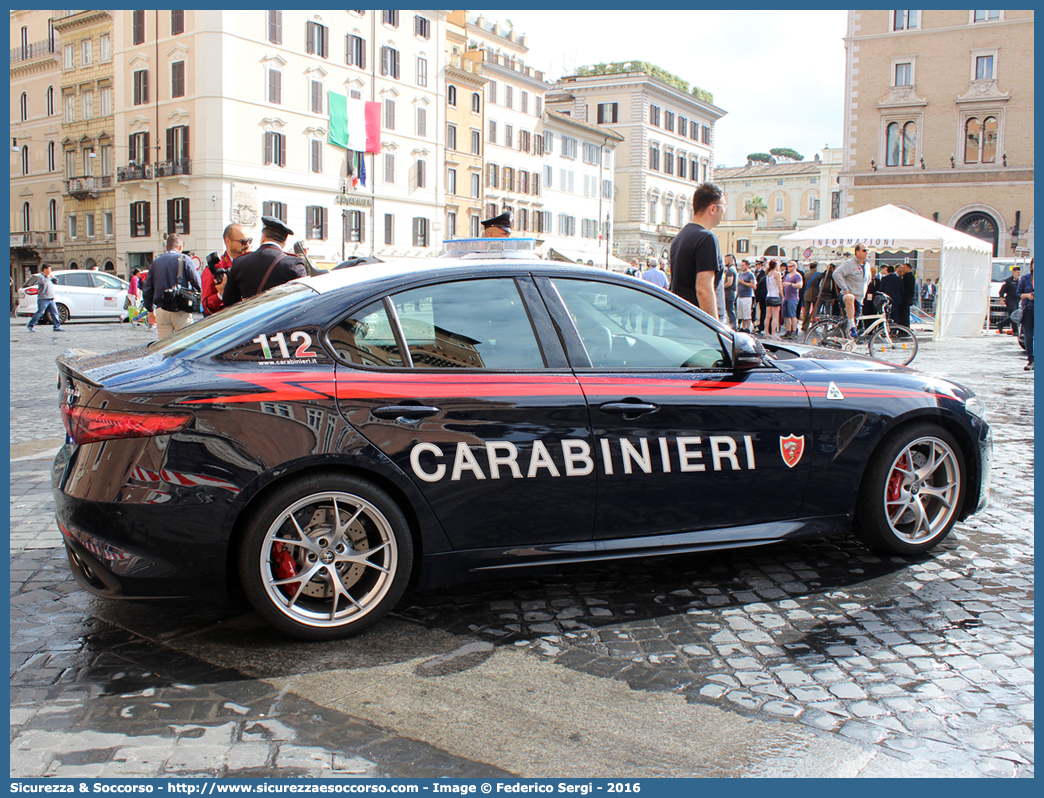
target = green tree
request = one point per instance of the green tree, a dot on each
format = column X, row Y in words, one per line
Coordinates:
column 787, row 154
column 653, row 71
column 756, row 207
column 760, row 157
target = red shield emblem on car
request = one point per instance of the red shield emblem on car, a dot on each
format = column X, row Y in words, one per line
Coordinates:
column 792, row 447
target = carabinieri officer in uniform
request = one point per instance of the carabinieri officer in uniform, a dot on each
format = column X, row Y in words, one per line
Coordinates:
column 264, row 268
column 497, row 227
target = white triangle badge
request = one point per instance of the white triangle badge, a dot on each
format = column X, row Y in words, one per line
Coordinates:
column 833, row 392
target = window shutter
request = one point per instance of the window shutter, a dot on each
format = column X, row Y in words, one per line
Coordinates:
column 324, row 42
column 170, row 216
column 147, row 154
column 148, row 218
column 310, row 38
column 170, row 144
column 281, row 143
column 395, row 64
column 184, row 142
column 362, row 54
column 348, row 49
column 269, row 155
column 385, row 61
column 185, row 215
column 144, row 86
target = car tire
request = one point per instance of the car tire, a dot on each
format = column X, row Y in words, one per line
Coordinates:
column 912, row 491
column 63, row 313
column 348, row 537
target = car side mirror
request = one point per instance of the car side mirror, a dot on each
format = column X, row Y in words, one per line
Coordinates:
column 747, row 352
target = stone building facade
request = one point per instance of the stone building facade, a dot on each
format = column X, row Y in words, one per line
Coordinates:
column 939, row 119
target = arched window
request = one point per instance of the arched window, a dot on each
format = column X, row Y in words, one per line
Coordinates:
column 52, row 215
column 25, row 217
column 50, row 100
column 451, row 95
column 981, row 225
column 24, row 106
column 652, row 208
column 989, row 140
column 476, row 106
column 51, row 156
column 25, row 159
column 892, row 144
column 909, row 143
column 972, row 138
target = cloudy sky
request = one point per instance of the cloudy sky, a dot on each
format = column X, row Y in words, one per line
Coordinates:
column 779, row 74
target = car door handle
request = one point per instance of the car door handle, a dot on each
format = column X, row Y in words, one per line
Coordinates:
column 629, row 410
column 415, row 412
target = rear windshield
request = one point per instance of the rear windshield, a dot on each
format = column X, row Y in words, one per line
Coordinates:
column 241, row 322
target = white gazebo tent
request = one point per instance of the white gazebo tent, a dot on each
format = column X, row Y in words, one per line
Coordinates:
column 964, row 264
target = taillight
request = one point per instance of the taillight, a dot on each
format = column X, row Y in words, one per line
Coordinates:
column 89, row 424
column 32, row 291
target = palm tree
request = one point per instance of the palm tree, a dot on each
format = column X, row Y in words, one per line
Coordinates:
column 756, row 207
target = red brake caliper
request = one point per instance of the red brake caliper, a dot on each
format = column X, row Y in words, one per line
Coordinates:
column 284, row 567
column 895, row 481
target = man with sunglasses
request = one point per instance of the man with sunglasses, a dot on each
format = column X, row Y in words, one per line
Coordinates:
column 696, row 265
column 214, row 277
column 266, row 268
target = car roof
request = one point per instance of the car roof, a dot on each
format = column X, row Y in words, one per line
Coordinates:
column 396, row 269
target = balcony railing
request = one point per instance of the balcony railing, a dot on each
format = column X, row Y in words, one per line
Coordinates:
column 179, row 166
column 138, row 171
column 48, row 238
column 34, row 50
column 86, row 186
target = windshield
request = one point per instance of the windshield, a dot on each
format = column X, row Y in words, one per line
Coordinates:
column 229, row 327
column 1002, row 269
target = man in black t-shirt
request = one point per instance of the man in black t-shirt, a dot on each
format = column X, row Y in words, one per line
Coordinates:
column 696, row 265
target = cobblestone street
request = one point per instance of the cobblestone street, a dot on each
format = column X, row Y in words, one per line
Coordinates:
column 836, row 660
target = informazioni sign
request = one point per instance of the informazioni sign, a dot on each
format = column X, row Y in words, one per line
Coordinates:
column 844, row 243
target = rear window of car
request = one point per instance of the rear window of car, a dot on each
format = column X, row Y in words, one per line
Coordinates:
column 235, row 325
column 76, row 280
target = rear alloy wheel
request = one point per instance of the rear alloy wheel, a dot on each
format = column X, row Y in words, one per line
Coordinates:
column 896, row 345
column 63, row 314
column 326, row 557
column 912, row 491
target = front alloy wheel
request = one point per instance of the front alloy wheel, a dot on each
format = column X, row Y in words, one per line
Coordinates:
column 913, row 491
column 326, row 557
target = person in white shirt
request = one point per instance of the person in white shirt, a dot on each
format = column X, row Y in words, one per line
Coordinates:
column 653, row 274
column 851, row 279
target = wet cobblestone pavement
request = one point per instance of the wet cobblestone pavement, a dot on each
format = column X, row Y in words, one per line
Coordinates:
column 927, row 661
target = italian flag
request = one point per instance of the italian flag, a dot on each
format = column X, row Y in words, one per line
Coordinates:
column 354, row 124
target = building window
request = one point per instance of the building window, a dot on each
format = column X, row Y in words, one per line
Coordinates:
column 985, row 16
column 106, row 101
column 68, row 57
column 23, row 106
column 683, row 126
column 389, row 114
column 390, row 18
column 509, row 96
column 451, row 181
column 654, row 115
column 109, row 224
column 422, row 122
column 140, row 220
column 106, row 160
column 420, row 231
column 70, row 108
column 317, row 40
column 355, row 51
column 548, row 173
column 105, row 47
column 389, row 167
column 177, row 22
column 905, row 20
column 451, row 95
column 26, row 217
column 422, row 27
column 492, row 92
column 50, row 101
column 177, row 79
column 493, row 131
column 419, row 171
column 451, row 137
column 668, row 120
column 779, row 205
column 473, row 226
column 451, row 224
column 86, row 52
column 668, row 161
column 904, row 74
column 316, row 160
column 177, row 215
column 524, row 102
column 88, row 161
column 138, row 147
column 509, row 135
column 654, row 158
column 608, row 113
column 476, row 142
column 317, row 96
column 900, row 144
column 52, row 215
column 51, row 156
column 476, row 103
column 568, row 147
column 389, row 229
column 590, row 153
column 356, row 221
column 390, row 62
column 980, row 140
column 275, row 86
column 491, row 177
column 276, row 209
column 984, row 67
column 275, row 149
column 138, row 25
column 25, row 159
column 422, row 71
column 742, row 246
column 549, row 143
column 476, row 184
column 607, row 189
column 315, row 222
column 705, row 135
column 88, row 104
column 141, row 87
column 73, row 230
column 523, row 140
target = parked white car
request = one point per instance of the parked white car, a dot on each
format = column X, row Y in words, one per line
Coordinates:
column 79, row 295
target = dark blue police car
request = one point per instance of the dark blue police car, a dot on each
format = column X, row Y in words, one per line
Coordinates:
column 329, row 441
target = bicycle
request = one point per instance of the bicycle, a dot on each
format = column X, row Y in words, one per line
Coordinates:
column 887, row 341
